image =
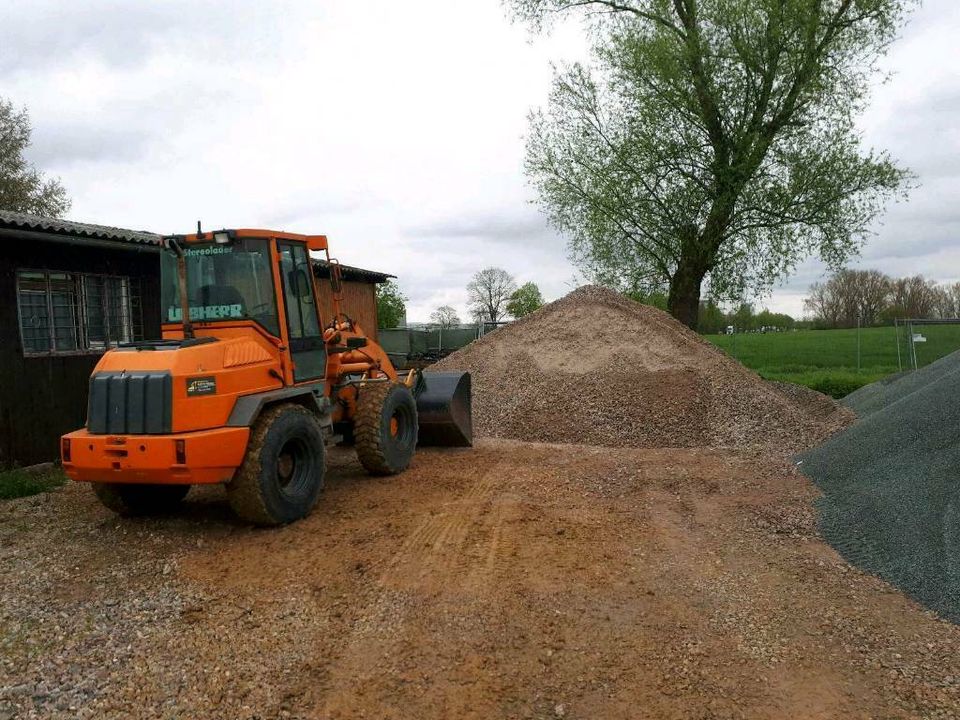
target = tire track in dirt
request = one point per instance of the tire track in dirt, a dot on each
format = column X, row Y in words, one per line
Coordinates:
column 607, row 583
column 438, row 546
column 448, row 558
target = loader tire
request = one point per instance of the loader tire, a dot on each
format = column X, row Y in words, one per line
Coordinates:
column 385, row 427
column 283, row 471
column 132, row 500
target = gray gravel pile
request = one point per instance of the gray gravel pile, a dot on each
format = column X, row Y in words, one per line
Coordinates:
column 878, row 395
column 891, row 486
column 598, row 369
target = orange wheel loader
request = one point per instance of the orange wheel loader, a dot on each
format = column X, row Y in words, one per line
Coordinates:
column 249, row 384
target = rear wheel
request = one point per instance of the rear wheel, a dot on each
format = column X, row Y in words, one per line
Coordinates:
column 133, row 499
column 283, row 471
column 385, row 427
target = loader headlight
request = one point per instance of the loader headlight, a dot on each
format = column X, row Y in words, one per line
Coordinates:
column 221, row 238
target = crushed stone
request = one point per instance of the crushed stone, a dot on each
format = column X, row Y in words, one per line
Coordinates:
column 891, row 502
column 597, row 368
column 883, row 393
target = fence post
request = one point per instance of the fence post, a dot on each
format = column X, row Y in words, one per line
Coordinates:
column 908, row 328
column 896, row 332
column 858, row 343
column 913, row 345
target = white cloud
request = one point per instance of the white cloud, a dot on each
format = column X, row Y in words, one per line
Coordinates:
column 395, row 128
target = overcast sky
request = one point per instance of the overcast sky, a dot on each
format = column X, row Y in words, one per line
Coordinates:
column 396, row 128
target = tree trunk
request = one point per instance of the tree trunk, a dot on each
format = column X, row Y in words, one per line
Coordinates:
column 683, row 302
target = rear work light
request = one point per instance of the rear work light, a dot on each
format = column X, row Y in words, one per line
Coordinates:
column 65, row 449
column 181, row 452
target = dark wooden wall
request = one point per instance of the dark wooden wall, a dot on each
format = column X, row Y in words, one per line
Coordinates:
column 43, row 397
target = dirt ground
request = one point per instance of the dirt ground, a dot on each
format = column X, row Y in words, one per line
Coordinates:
column 508, row 581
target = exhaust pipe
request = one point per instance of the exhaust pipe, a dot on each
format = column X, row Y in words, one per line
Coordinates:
column 444, row 410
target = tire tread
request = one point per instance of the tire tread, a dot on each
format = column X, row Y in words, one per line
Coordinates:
column 243, row 492
column 368, row 428
column 366, row 433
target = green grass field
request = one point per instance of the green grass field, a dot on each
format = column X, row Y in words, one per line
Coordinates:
column 826, row 360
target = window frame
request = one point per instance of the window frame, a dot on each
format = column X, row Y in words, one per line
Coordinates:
column 130, row 316
column 308, row 346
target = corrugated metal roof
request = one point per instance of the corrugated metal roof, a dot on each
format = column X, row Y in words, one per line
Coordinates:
column 21, row 221
column 348, row 272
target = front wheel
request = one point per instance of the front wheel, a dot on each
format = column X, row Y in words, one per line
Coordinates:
column 385, row 427
column 283, row 471
column 131, row 499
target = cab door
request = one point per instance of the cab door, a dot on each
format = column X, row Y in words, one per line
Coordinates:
column 303, row 315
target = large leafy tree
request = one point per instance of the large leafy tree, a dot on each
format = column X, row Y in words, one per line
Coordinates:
column 391, row 305
column 23, row 188
column 524, row 300
column 713, row 141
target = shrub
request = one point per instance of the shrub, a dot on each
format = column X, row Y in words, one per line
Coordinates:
column 835, row 383
column 17, row 483
column 838, row 385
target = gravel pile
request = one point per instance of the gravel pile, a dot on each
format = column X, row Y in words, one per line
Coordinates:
column 882, row 394
column 599, row 369
column 815, row 404
column 891, row 499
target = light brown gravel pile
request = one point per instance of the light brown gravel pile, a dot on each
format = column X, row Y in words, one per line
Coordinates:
column 599, row 369
column 816, row 404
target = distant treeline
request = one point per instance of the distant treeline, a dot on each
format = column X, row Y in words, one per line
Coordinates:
column 713, row 318
column 877, row 299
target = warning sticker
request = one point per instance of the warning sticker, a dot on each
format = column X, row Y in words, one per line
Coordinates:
column 201, row 386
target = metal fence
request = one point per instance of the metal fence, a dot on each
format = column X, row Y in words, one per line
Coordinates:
column 871, row 351
column 921, row 341
column 430, row 343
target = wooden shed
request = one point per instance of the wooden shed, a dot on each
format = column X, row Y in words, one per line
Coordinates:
column 359, row 294
column 68, row 291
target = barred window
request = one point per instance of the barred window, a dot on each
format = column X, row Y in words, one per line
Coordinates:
column 71, row 312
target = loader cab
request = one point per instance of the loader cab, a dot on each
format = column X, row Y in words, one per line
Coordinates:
column 254, row 279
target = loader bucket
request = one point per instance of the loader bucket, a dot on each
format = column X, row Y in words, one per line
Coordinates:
column 444, row 410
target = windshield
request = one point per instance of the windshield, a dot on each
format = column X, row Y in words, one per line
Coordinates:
column 224, row 282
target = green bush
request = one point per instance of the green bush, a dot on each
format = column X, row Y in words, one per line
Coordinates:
column 838, row 385
column 835, row 383
column 17, row 483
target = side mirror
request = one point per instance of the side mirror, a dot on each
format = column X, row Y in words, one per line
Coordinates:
column 301, row 285
column 335, row 283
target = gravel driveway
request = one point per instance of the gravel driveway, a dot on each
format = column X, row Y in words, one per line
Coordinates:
column 512, row 580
